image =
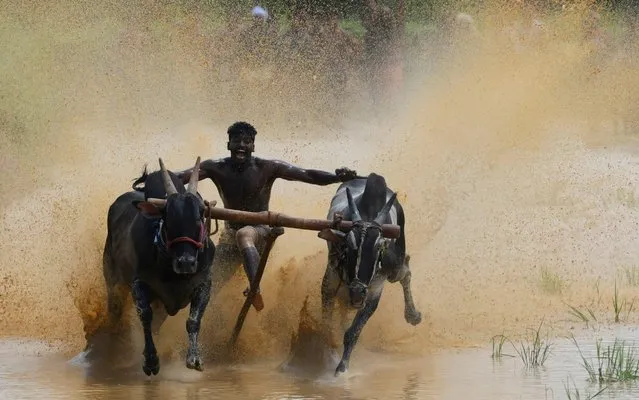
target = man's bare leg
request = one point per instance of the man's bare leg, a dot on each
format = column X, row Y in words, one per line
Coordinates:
column 246, row 238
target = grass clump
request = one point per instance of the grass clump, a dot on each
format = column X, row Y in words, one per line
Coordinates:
column 498, row 342
column 551, row 282
column 616, row 363
column 632, row 275
column 572, row 393
column 534, row 352
column 619, row 306
column 586, row 315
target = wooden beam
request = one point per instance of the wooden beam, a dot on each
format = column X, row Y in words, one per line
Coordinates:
column 273, row 218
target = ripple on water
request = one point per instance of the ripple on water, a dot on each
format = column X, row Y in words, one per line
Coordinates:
column 35, row 370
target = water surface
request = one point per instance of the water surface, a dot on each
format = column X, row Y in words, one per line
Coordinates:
column 29, row 371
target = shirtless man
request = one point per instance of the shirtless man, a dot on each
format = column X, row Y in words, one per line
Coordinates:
column 244, row 183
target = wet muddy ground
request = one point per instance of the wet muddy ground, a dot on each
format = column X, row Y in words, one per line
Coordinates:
column 31, row 370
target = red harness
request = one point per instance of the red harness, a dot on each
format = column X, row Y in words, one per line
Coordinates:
column 199, row 244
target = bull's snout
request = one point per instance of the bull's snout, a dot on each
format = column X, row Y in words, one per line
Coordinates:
column 358, row 295
column 185, row 264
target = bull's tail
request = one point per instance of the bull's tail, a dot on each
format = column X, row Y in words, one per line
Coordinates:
column 140, row 180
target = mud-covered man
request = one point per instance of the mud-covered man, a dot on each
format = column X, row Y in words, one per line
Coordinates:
column 244, row 182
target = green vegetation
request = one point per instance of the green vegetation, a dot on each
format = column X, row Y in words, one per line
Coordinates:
column 498, row 342
column 632, row 275
column 582, row 316
column 616, row 363
column 619, row 306
column 572, row 393
column 551, row 282
column 533, row 352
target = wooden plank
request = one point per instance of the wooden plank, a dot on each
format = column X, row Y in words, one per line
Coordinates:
column 273, row 218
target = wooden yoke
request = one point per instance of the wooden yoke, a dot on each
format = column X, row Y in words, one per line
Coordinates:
column 273, row 218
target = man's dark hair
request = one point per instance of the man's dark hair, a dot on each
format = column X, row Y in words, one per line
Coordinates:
column 241, row 128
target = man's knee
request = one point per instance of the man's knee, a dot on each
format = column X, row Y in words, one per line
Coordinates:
column 246, row 237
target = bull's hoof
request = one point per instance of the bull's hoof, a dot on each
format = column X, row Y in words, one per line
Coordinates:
column 413, row 318
column 194, row 362
column 151, row 365
column 341, row 368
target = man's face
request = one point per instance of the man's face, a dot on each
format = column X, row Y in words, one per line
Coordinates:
column 241, row 146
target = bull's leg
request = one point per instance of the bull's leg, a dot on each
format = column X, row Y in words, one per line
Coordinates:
column 199, row 301
column 141, row 297
column 116, row 291
column 116, row 296
column 330, row 285
column 352, row 334
column 159, row 316
column 411, row 315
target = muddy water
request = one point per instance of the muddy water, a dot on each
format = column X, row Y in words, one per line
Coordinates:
column 28, row 370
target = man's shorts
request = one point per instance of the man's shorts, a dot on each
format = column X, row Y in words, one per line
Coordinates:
column 228, row 256
column 228, row 236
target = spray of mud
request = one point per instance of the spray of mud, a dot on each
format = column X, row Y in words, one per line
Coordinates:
column 509, row 151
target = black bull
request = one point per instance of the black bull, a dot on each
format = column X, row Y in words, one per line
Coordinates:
column 361, row 260
column 163, row 255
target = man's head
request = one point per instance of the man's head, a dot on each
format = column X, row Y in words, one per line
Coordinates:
column 241, row 142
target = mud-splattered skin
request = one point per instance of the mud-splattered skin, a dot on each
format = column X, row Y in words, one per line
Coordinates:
column 244, row 183
column 247, row 185
column 362, row 260
column 163, row 256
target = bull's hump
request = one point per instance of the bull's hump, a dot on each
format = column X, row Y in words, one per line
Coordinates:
column 376, row 185
column 376, row 180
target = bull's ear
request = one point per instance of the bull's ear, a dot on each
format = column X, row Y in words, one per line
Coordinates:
column 331, row 235
column 146, row 208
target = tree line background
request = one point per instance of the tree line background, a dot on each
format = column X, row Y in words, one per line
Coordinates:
column 415, row 10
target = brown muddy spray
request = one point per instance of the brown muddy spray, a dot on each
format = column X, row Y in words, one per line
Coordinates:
column 496, row 152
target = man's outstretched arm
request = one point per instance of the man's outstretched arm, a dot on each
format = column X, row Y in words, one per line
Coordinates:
column 205, row 167
column 313, row 176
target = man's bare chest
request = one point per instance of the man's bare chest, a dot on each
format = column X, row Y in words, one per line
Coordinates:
column 247, row 182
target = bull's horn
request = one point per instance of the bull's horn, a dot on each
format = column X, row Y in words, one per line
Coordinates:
column 169, row 187
column 385, row 210
column 195, row 177
column 351, row 204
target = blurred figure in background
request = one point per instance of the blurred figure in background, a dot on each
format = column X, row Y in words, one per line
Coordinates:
column 383, row 56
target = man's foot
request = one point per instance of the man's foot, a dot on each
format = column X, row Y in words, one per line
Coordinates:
column 258, row 302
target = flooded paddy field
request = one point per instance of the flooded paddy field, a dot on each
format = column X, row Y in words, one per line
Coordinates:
column 31, row 370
